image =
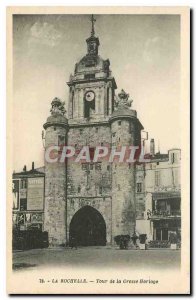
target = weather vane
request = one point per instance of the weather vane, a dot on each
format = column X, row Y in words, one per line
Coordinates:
column 93, row 20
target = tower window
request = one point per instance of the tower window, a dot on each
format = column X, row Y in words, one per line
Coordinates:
column 130, row 129
column 108, row 167
column 157, row 178
column 61, row 140
column 107, row 101
column 90, row 63
column 98, row 166
column 139, row 187
column 72, row 104
column 79, row 189
column 97, row 129
column 81, row 131
column 100, row 190
column 119, row 123
column 89, row 103
column 84, row 166
column 23, row 184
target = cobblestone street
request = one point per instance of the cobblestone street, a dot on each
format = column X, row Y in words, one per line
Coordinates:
column 97, row 257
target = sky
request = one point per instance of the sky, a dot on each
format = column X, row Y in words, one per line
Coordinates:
column 144, row 54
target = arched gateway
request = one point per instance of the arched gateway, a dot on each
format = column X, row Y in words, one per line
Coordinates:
column 88, row 227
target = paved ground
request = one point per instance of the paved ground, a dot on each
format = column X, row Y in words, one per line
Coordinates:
column 97, row 257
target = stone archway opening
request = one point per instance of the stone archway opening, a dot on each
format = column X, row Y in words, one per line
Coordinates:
column 88, row 227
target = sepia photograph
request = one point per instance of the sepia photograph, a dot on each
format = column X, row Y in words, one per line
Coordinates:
column 98, row 173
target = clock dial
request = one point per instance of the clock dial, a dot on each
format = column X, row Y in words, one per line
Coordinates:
column 90, row 96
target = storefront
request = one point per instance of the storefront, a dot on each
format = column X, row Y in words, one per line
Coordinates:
column 162, row 228
column 166, row 215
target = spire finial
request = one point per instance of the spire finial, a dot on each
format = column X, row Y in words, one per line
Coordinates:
column 93, row 20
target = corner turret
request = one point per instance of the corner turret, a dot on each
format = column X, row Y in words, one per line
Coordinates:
column 56, row 128
column 125, row 131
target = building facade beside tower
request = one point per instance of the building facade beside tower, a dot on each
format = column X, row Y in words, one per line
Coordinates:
column 158, row 196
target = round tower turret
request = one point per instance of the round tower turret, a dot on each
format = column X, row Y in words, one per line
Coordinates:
column 56, row 128
column 125, row 131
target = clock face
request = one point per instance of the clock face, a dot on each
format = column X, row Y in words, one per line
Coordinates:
column 90, row 96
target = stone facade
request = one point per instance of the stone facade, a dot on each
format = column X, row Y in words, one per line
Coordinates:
column 96, row 117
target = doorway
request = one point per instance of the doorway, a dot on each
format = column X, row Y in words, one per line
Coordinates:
column 88, row 227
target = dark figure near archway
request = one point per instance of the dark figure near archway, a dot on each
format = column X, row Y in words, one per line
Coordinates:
column 88, row 227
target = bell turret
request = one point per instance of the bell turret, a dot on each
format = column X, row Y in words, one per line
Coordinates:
column 56, row 128
column 92, row 85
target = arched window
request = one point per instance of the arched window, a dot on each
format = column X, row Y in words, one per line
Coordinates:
column 72, row 104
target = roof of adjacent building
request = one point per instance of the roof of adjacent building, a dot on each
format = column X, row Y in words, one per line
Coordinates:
column 38, row 172
column 31, row 173
column 160, row 156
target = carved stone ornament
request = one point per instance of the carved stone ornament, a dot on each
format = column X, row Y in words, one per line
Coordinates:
column 122, row 100
column 58, row 107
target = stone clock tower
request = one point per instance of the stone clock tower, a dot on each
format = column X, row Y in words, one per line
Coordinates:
column 97, row 199
column 91, row 94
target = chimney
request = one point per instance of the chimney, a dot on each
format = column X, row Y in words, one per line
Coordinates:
column 152, row 147
column 25, row 168
column 33, row 166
